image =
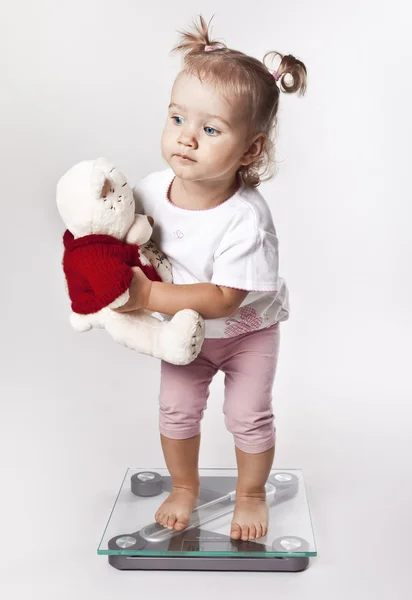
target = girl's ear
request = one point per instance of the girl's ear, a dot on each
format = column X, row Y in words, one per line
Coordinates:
column 255, row 149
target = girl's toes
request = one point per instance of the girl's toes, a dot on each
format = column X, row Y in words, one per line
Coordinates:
column 258, row 528
column 245, row 533
column 164, row 520
column 181, row 524
column 171, row 521
column 235, row 532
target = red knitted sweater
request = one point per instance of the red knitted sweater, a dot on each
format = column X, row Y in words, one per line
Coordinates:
column 98, row 270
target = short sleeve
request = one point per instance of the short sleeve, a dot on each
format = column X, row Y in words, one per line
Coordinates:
column 247, row 260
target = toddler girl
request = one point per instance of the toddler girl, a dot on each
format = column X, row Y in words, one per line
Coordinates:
column 217, row 231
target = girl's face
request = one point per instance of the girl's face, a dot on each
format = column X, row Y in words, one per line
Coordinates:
column 205, row 137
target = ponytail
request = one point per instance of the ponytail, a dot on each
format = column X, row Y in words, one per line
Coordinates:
column 292, row 67
column 198, row 40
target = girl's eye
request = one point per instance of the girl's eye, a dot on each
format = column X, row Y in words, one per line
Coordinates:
column 211, row 131
column 177, row 120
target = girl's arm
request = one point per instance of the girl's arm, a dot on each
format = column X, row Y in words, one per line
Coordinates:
column 208, row 299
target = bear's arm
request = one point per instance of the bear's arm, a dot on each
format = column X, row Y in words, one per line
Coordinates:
column 140, row 231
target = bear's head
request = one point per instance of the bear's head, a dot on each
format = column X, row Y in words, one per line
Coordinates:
column 93, row 197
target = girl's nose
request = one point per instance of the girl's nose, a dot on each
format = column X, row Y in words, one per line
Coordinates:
column 187, row 138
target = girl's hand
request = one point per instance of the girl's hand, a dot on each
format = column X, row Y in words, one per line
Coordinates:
column 139, row 292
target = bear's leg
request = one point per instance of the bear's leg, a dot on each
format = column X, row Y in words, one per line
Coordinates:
column 182, row 337
column 177, row 341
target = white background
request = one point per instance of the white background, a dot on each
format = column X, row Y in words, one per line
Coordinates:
column 86, row 78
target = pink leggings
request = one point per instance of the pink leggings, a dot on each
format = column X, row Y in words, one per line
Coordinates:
column 249, row 363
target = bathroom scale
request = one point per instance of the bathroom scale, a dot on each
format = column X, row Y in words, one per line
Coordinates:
column 132, row 540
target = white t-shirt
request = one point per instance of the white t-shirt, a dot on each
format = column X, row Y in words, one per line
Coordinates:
column 232, row 245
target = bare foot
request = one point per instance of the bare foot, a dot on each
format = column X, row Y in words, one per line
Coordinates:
column 250, row 519
column 176, row 510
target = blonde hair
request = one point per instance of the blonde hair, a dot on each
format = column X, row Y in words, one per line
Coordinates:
column 250, row 80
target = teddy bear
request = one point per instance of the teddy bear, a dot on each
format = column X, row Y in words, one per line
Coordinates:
column 103, row 240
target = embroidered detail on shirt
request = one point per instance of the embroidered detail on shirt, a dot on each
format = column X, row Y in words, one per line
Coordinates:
column 178, row 234
column 249, row 321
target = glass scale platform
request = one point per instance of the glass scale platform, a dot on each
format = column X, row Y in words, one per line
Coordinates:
column 132, row 539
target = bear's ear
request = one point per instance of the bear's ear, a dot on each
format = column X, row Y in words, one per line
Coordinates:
column 101, row 184
column 107, row 186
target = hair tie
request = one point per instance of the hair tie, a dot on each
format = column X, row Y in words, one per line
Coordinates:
column 214, row 47
column 276, row 75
